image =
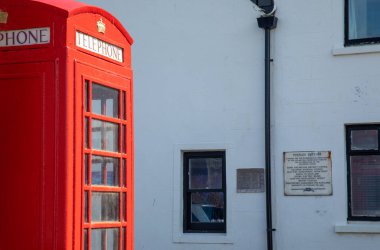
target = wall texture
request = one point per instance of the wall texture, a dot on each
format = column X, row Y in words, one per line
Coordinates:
column 199, row 84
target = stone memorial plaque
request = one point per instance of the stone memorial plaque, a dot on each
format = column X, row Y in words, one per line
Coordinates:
column 250, row 180
column 307, row 173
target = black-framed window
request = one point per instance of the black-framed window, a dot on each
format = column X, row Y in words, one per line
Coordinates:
column 362, row 22
column 204, row 192
column 363, row 168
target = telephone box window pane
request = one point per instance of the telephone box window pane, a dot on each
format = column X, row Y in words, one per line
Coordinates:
column 206, row 173
column 85, row 206
column 123, row 242
column 86, row 95
column 105, row 239
column 105, row 206
column 86, row 169
column 124, row 206
column 105, row 171
column 123, row 140
column 105, row 101
column 124, row 111
column 86, row 132
column 105, row 135
column 207, row 207
column 85, row 239
column 124, row 172
column 364, row 140
column 365, row 183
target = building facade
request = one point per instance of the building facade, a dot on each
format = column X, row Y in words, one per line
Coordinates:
column 199, row 123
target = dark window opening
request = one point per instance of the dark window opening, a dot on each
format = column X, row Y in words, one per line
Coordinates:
column 363, row 168
column 204, row 192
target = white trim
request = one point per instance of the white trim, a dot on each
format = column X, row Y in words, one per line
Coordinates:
column 359, row 49
column 365, row 228
column 177, row 227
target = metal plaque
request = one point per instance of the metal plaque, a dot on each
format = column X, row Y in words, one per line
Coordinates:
column 250, row 180
column 307, row 173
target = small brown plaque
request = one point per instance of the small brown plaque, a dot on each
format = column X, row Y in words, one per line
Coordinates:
column 250, row 180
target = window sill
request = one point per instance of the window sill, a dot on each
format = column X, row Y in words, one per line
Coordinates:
column 352, row 50
column 206, row 238
column 365, row 228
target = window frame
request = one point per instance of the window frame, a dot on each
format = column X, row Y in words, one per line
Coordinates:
column 352, row 42
column 89, row 152
column 349, row 153
column 189, row 227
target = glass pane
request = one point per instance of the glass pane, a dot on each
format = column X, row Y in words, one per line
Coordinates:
column 123, row 139
column 365, row 183
column 105, row 136
column 105, row 101
column 85, row 239
column 86, row 95
column 124, row 111
column 105, row 171
column 86, row 132
column 105, row 239
column 364, row 140
column 85, row 169
column 85, row 206
column 124, row 206
column 363, row 19
column 207, row 207
column 123, row 242
column 124, row 172
column 205, row 173
column 105, row 206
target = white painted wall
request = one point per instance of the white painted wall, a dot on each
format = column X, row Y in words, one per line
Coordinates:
column 199, row 85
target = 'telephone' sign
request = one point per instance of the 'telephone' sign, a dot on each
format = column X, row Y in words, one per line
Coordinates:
column 25, row 37
column 98, row 46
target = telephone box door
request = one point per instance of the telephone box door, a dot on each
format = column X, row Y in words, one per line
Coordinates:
column 104, row 163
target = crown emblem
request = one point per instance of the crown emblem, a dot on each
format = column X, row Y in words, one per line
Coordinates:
column 101, row 26
column 3, row 16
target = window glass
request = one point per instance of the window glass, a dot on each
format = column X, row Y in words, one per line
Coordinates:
column 102, row 239
column 105, row 206
column 85, row 169
column 105, row 171
column 105, row 135
column 85, row 206
column 364, row 140
column 85, row 239
column 205, row 173
column 123, row 242
column 204, row 192
column 363, row 19
column 207, row 207
column 105, row 101
column 86, row 95
column 365, row 185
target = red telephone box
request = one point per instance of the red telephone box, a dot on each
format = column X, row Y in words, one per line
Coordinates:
column 66, row 134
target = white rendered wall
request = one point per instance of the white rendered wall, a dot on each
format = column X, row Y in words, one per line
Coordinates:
column 198, row 68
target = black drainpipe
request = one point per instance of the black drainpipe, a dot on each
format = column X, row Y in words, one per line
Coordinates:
column 267, row 23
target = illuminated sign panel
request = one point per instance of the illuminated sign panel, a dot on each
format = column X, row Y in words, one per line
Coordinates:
column 99, row 47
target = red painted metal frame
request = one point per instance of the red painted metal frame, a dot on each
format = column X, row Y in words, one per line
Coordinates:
column 122, row 190
column 61, row 67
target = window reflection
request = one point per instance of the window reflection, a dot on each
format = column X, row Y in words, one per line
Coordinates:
column 105, row 239
column 105, row 206
column 105, row 171
column 105, row 135
column 105, row 101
